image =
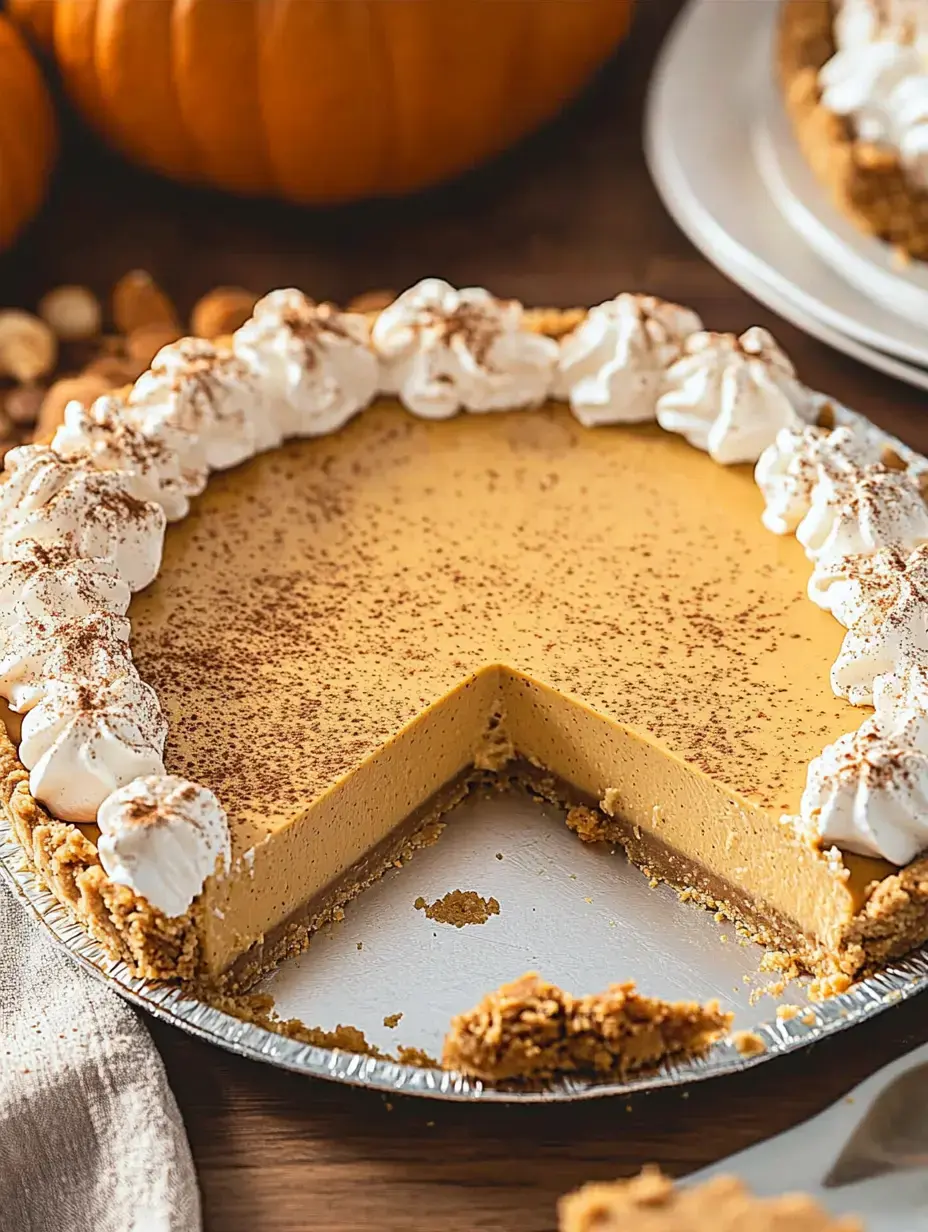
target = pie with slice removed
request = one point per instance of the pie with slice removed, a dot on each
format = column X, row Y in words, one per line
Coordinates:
column 350, row 630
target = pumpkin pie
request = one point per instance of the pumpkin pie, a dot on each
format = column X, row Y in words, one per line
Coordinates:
column 854, row 77
column 651, row 1203
column 268, row 617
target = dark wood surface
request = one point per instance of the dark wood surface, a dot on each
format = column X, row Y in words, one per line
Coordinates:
column 569, row 218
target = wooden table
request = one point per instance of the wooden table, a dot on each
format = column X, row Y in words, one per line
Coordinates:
column 570, row 218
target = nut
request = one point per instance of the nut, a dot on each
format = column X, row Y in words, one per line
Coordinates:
column 144, row 343
column 371, row 301
column 83, row 389
column 74, row 313
column 139, row 301
column 892, row 460
column 22, row 405
column 28, row 348
column 826, row 416
column 222, row 311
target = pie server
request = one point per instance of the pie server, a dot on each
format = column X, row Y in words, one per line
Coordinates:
column 866, row 1155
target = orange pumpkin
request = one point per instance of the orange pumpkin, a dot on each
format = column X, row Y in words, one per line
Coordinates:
column 321, row 100
column 27, row 133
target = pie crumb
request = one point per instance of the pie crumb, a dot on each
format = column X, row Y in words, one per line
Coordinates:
column 416, row 1057
column 748, row 1043
column 391, row 1020
column 786, row 1013
column 829, row 986
column 459, row 907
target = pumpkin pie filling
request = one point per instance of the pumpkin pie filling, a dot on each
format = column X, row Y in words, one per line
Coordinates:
column 371, row 612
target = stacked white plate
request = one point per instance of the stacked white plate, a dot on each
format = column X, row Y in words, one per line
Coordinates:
column 724, row 158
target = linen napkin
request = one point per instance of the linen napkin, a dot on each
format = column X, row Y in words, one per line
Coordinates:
column 91, row 1139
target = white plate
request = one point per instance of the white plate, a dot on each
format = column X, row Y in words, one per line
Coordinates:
column 865, row 262
column 702, row 162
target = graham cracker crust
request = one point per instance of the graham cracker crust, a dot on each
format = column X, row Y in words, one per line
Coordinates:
column 530, row 1031
column 869, row 184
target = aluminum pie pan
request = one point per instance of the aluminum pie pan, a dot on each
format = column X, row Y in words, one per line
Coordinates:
column 895, row 983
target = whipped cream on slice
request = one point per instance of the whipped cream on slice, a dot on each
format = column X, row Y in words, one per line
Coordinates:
column 891, row 628
column 442, row 350
column 83, row 740
column 204, row 403
column 45, row 581
column 34, row 652
column 868, row 793
column 878, row 77
column 611, row 367
column 314, row 363
column 105, row 435
column 731, row 395
column 859, row 512
column 53, row 499
column 162, row 837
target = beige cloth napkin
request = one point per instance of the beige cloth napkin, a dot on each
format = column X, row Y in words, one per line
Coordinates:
column 90, row 1136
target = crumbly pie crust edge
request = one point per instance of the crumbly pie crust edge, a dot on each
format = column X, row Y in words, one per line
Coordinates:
column 868, row 184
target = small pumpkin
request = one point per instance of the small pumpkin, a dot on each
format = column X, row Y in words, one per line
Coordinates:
column 27, row 133
column 321, row 100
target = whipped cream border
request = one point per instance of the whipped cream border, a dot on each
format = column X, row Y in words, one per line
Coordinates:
column 753, row 398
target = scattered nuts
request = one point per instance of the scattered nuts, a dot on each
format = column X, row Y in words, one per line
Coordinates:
column 144, row 343
column 28, row 348
column 221, row 311
column 83, row 389
column 22, row 405
column 139, row 301
column 74, row 313
column 371, row 301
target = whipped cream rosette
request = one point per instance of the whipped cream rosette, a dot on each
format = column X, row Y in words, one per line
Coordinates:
column 442, row 350
column 163, row 836
column 862, row 511
column 314, row 364
column 53, row 499
column 730, row 395
column 612, row 366
column 85, row 738
column 900, row 700
column 46, row 582
column 204, row 403
column 34, row 652
column 868, row 793
column 789, row 470
column 104, row 435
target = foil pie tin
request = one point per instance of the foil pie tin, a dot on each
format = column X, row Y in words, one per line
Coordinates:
column 582, row 916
